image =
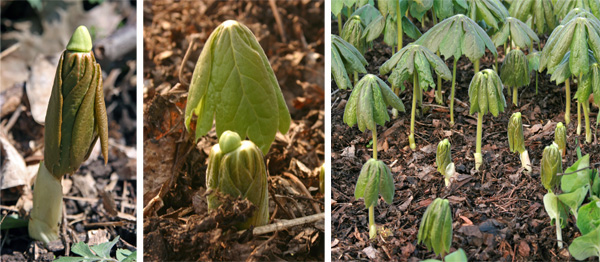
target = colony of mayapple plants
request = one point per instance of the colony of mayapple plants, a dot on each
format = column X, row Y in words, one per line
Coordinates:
column 522, row 42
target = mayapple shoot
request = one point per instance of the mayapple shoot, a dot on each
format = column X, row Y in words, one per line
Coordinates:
column 516, row 141
column 234, row 84
column 353, row 33
column 75, row 119
column 435, row 230
column 551, row 164
column 485, row 95
column 237, row 168
column 443, row 159
column 375, row 179
column 345, row 60
column 560, row 138
column 515, row 72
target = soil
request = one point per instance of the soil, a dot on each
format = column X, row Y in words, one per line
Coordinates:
column 498, row 212
column 99, row 200
column 177, row 225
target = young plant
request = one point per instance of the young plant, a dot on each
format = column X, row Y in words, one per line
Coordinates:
column 435, row 230
column 560, row 138
column 551, row 164
column 515, row 72
column 492, row 12
column 99, row 252
column 375, row 179
column 386, row 22
column 367, row 106
column 485, row 95
column 457, row 256
column 516, row 141
column 237, row 168
column 322, row 179
column 345, row 60
column 414, row 61
column 562, row 8
column 590, row 83
column 454, row 37
column 234, row 84
column 576, row 183
column 533, row 60
column 353, row 33
column 443, row 159
column 517, row 34
column 75, row 119
column 540, row 12
column 557, row 213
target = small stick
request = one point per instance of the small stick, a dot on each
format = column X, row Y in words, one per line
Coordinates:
column 278, row 20
column 285, row 224
column 185, row 84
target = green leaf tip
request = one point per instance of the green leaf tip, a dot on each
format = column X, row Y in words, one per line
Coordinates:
column 80, row 41
column 229, row 141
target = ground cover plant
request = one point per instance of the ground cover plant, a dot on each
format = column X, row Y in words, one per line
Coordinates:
column 248, row 186
column 498, row 211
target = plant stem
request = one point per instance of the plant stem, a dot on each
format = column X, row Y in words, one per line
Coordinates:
column 476, row 66
column 47, row 206
column 578, row 118
column 339, row 18
column 372, row 226
column 374, row 143
column 568, row 102
column 525, row 162
column 452, row 92
column 355, row 78
column 399, row 25
column 559, row 234
column 411, row 137
column 438, row 95
column 586, row 113
column 478, row 155
column 536, row 82
column 515, row 96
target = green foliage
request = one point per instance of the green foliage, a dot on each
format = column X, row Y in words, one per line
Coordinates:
column 414, row 59
column 520, row 34
column 570, row 183
column 590, row 84
column 338, row 5
column 551, row 164
column 563, row 7
column 443, row 158
column 485, row 93
column 447, row 8
column 345, row 59
column 368, row 103
column 418, row 8
column 353, row 33
column 234, row 84
column 12, row 221
column 577, row 12
column 589, row 217
column 560, row 137
column 435, row 230
column 375, row 179
column 577, row 36
column 100, row 252
column 456, row 36
column 385, row 21
column 515, row 133
column 533, row 60
column 456, row 256
column 555, row 209
column 540, row 11
column 562, row 72
column 574, row 199
column 492, row 12
column 237, row 168
column 515, row 69
column 586, row 246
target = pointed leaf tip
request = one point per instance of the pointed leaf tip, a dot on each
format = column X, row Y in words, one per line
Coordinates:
column 80, row 41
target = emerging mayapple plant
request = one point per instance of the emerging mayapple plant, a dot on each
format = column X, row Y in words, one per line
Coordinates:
column 560, row 138
column 345, row 59
column 516, row 141
column 375, row 179
column 443, row 159
column 515, row 72
column 237, row 168
column 353, row 33
column 551, row 165
column 435, row 230
column 234, row 84
column 75, row 119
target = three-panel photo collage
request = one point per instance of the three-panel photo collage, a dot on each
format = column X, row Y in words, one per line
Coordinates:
column 300, row 130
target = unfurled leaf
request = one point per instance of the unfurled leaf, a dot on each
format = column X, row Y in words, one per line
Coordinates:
column 234, row 84
column 571, row 182
column 586, row 245
column 551, row 164
column 533, row 60
column 415, row 59
column 520, row 34
column 485, row 93
column 375, row 179
column 562, row 72
column 368, row 103
column 345, row 60
column 447, row 8
column 588, row 217
column 418, row 8
column 555, row 209
column 515, row 69
column 563, row 7
column 492, row 12
column 574, row 199
column 435, row 230
column 577, row 12
column 541, row 11
column 103, row 249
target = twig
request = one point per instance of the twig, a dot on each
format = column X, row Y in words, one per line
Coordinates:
column 303, row 189
column 578, row 170
column 278, row 20
column 9, row 50
column 285, row 224
column 185, row 84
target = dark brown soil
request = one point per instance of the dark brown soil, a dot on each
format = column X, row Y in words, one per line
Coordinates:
column 179, row 227
column 498, row 213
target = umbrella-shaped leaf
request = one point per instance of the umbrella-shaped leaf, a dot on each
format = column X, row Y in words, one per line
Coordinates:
column 447, row 8
column 562, row 72
column 345, row 59
column 416, row 56
column 563, row 7
column 418, row 8
column 367, row 13
column 485, row 93
column 435, row 230
column 533, row 60
column 375, row 179
column 519, row 33
column 515, row 69
column 490, row 11
column 541, row 11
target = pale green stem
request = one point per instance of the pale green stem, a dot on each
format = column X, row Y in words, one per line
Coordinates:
column 536, row 82
column 399, row 25
column 372, row 225
column 374, row 143
column 452, row 92
column 578, row 118
column 478, row 155
column 476, row 66
column 496, row 64
column 559, row 234
column 411, row 137
column 588, row 132
column 355, row 78
column 515, row 96
column 339, row 18
column 438, row 96
column 568, row 102
column 47, row 206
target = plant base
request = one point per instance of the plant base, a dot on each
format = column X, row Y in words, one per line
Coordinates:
column 47, row 206
column 411, row 142
column 478, row 160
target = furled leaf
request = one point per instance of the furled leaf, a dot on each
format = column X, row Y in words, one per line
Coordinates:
column 515, row 69
column 435, row 230
column 410, row 29
column 560, row 137
column 375, row 179
column 570, row 183
column 541, row 11
column 591, row 83
column 515, row 133
column 551, row 164
column 586, row 245
column 234, row 84
column 345, row 59
column 533, row 60
column 367, row 109
column 562, row 72
column 563, row 7
column 374, row 29
column 443, row 156
column 485, row 93
column 352, row 32
column 367, row 14
column 588, row 217
column 418, row 8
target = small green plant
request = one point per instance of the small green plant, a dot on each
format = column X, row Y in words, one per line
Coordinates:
column 75, row 119
column 237, row 168
column 353, row 33
column 435, row 230
column 539, row 12
column 345, row 60
column 590, row 83
column 515, row 72
column 386, row 22
column 414, row 61
column 560, row 138
column 516, row 33
column 457, row 256
column 492, row 12
column 234, row 84
column 485, row 95
column 449, row 38
column 516, row 141
column 551, row 164
column 100, row 252
column 533, row 60
column 443, row 159
column 375, row 179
